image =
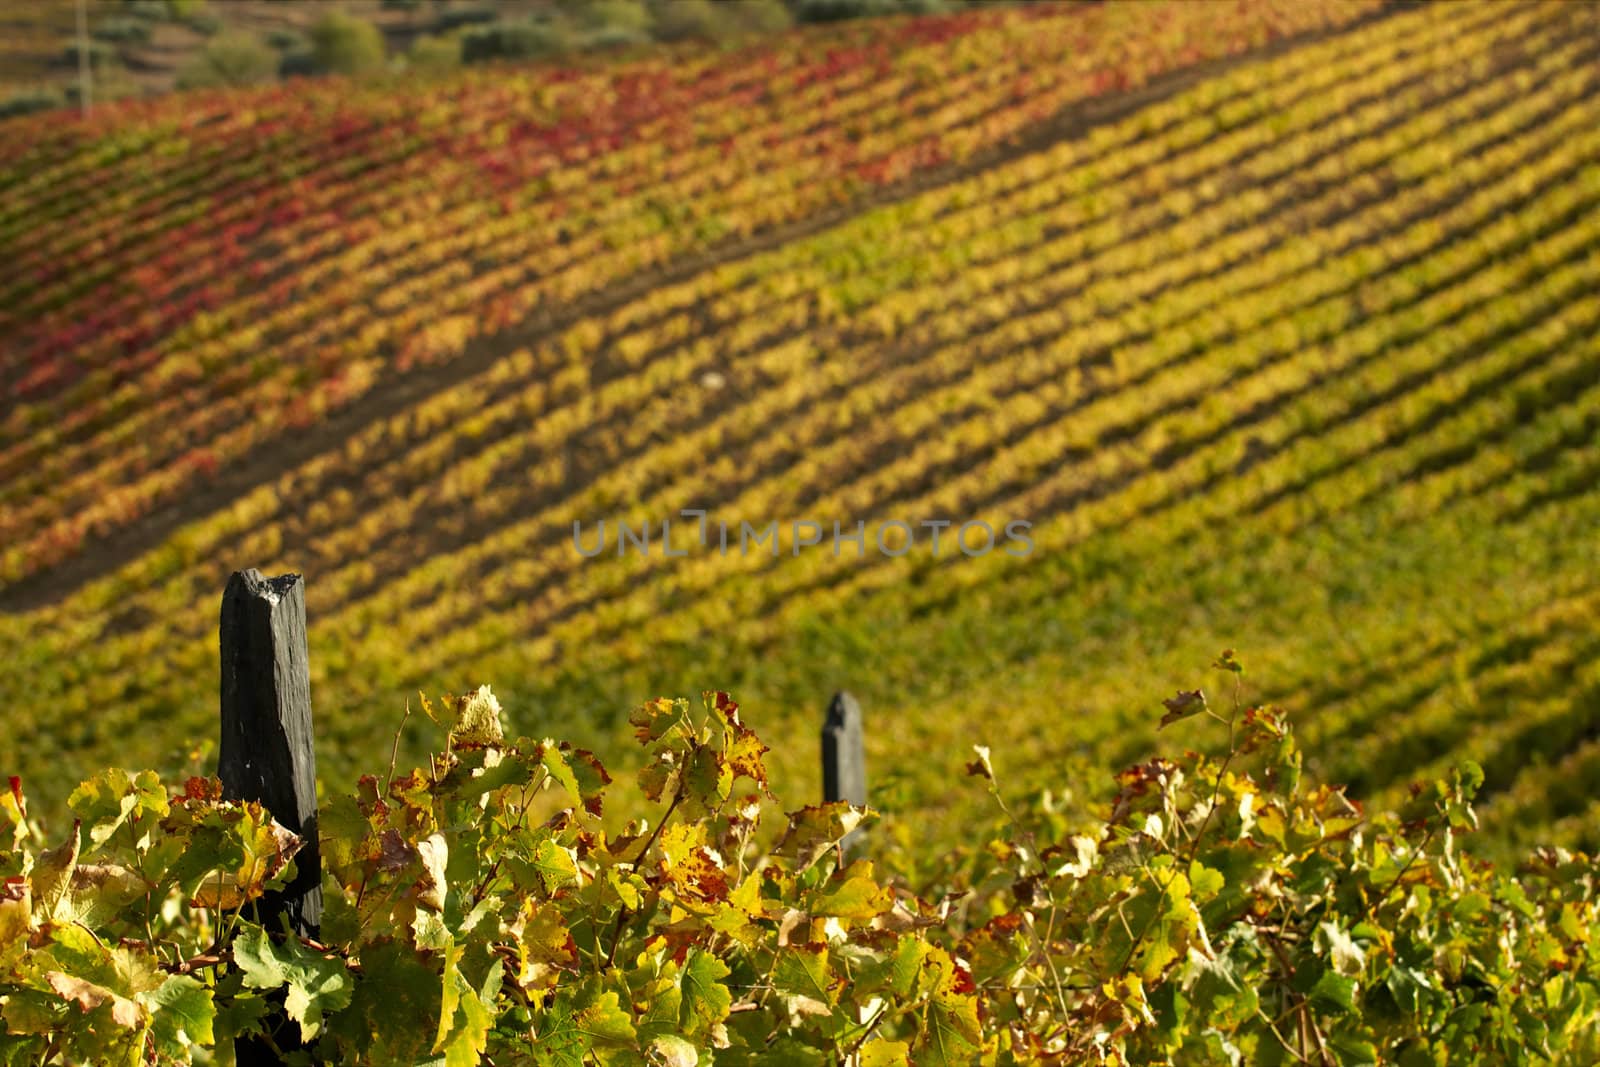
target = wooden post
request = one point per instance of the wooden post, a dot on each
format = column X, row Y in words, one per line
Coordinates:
column 266, row 753
column 844, row 761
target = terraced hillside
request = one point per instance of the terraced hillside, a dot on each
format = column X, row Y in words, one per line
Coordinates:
column 1295, row 352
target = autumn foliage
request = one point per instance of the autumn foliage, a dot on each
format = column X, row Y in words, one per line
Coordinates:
column 479, row 910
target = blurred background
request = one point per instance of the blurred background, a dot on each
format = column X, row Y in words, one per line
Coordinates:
column 1276, row 320
column 147, row 47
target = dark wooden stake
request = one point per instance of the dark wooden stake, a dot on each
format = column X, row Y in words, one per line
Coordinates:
column 844, row 760
column 266, row 753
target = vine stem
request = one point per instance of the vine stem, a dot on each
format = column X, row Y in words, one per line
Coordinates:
column 483, row 887
column 1199, row 834
column 622, row 914
column 394, row 750
column 883, row 1009
column 194, row 963
column 1383, row 898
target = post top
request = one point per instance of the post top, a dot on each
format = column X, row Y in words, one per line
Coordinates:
column 268, row 589
column 843, row 710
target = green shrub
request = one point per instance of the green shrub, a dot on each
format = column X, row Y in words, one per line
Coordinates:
column 627, row 15
column 111, row 81
column 456, row 17
column 121, row 31
column 286, row 40
column 707, row 20
column 762, row 16
column 525, row 39
column 400, row 5
column 434, row 53
column 298, row 63
column 231, row 58
column 678, row 20
column 27, row 101
column 342, row 44
column 184, row 9
column 99, row 52
column 839, row 10
column 149, row 10
column 614, row 37
column 205, row 23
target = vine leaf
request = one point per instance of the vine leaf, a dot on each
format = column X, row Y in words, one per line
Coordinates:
column 182, row 1014
column 88, row 996
column 706, row 1001
column 950, row 1033
column 316, row 983
column 1186, row 704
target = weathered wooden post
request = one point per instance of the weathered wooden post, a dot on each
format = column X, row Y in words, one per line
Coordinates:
column 844, row 761
column 266, row 753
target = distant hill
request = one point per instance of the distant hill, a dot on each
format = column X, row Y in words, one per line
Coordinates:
column 147, row 42
column 143, row 48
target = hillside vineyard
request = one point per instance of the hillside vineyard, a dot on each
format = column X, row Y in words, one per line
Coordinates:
column 1295, row 351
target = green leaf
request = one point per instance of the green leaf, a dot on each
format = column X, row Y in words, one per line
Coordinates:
column 182, row 1014
column 605, row 1022
column 450, row 994
column 470, row 1035
column 397, row 994
column 32, row 1011
column 237, row 1012
column 1217, row 992
column 1171, row 1009
column 896, row 974
column 511, row 769
column 104, row 802
column 802, row 971
column 559, row 1044
column 1353, row 1051
column 669, row 1050
column 1334, row 992
column 858, row 898
column 1411, row 988
column 1204, row 882
column 591, row 777
column 316, row 983
column 705, row 999
column 885, row 1054
column 709, row 778
column 16, row 920
column 950, row 1033
column 782, row 1052
column 553, row 864
column 654, row 720
column 556, row 765
column 817, row 829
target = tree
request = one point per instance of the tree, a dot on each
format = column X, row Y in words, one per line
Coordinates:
column 341, row 44
column 232, row 58
column 434, row 53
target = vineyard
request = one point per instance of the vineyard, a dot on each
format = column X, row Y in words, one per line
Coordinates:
column 1280, row 328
